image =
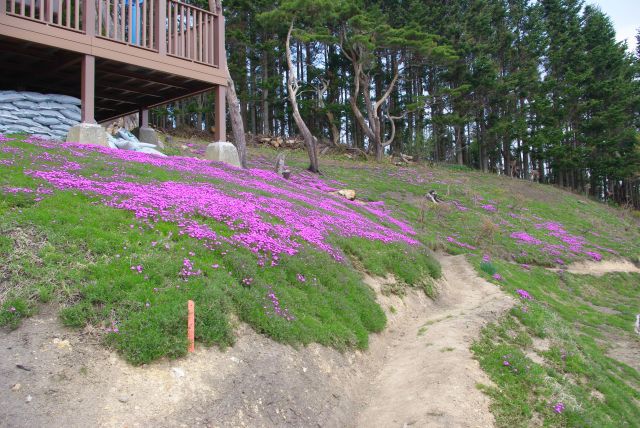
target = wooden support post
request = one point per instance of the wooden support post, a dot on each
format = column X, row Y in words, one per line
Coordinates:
column 220, row 114
column 3, row 7
column 191, row 326
column 88, row 88
column 143, row 118
column 161, row 27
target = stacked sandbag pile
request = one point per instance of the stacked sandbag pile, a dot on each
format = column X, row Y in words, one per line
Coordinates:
column 125, row 140
column 42, row 115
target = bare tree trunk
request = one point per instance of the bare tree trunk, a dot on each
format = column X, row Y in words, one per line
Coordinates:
column 292, row 85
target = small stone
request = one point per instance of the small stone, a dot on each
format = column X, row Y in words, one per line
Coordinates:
column 16, row 387
column 223, row 152
column 348, row 193
column 123, row 398
column 28, row 399
column 178, row 372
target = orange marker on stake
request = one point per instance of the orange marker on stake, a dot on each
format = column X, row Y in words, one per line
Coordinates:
column 191, row 327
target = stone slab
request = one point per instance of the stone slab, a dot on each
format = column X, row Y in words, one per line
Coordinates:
column 223, row 152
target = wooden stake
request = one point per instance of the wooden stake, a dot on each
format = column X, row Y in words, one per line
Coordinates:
column 191, row 327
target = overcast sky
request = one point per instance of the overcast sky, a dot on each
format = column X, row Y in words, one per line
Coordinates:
column 625, row 15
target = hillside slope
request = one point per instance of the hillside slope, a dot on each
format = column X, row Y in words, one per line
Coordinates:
column 119, row 241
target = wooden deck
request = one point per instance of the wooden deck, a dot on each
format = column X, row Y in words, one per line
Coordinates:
column 139, row 53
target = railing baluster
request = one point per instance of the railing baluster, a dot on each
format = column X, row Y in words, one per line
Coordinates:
column 180, row 29
column 32, row 8
column 22, row 5
column 68, row 13
column 123, row 20
column 114, row 18
column 76, row 17
column 128, row 37
column 143, row 33
column 176, row 33
column 162, row 27
column 100, row 9
column 152, row 25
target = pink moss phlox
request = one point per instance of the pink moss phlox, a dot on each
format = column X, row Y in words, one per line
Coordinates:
column 526, row 238
column 460, row 244
column 524, row 294
column 242, row 212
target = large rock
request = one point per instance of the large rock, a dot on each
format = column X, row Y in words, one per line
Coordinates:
column 148, row 135
column 88, row 133
column 223, row 152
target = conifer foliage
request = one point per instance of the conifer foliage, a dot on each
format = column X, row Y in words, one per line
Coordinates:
column 532, row 89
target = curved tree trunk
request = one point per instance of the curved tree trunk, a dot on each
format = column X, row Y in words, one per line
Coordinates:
column 292, row 85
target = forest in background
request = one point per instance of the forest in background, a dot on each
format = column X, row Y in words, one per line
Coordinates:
column 532, row 89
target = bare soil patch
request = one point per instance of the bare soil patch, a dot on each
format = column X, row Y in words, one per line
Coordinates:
column 601, row 268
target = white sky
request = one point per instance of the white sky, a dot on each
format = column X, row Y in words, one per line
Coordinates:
column 625, row 15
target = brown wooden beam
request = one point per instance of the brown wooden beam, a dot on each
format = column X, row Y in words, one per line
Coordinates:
column 87, row 88
column 157, row 80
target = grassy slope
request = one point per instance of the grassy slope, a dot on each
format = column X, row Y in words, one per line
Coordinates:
column 68, row 246
column 575, row 369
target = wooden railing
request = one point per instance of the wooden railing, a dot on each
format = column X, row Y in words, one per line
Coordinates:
column 60, row 13
column 168, row 27
column 191, row 33
column 128, row 21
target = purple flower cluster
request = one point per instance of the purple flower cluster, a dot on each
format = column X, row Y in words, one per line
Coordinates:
column 524, row 294
column 558, row 407
column 275, row 307
column 304, row 211
column 460, row 244
column 489, row 207
column 188, row 270
column 497, row 277
column 301, row 278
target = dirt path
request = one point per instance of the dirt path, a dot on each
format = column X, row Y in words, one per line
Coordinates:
column 429, row 376
column 601, row 268
column 419, row 372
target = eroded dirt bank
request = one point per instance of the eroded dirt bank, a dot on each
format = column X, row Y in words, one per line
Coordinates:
column 419, row 372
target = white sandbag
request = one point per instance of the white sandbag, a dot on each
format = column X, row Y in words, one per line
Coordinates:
column 69, row 122
column 51, row 113
column 8, row 118
column 26, row 112
column 34, row 96
column 64, row 99
column 26, row 105
column 10, row 96
column 49, row 105
column 151, row 152
column 72, row 107
column 8, row 106
column 16, row 128
column 123, row 133
column 60, row 127
column 70, row 114
column 46, row 120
